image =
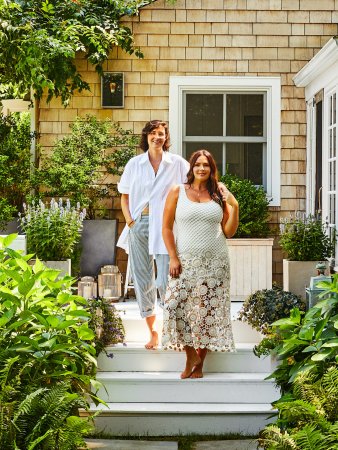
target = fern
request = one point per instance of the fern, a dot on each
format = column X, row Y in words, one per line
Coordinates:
column 274, row 439
column 309, row 438
column 307, row 418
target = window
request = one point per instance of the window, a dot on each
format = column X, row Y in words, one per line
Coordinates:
column 330, row 162
column 236, row 118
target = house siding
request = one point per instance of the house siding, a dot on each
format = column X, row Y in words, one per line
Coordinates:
column 211, row 37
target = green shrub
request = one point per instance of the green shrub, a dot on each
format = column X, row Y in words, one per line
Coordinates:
column 253, row 207
column 81, row 163
column 264, row 307
column 303, row 238
column 15, row 163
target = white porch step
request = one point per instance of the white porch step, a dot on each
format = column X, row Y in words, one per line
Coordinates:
column 165, row 419
column 167, row 387
column 135, row 358
column 136, row 329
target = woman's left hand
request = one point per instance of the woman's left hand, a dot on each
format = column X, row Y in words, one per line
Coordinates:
column 224, row 191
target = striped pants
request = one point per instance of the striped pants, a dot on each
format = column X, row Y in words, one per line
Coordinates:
column 142, row 268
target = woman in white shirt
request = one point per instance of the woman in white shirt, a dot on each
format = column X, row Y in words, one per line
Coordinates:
column 144, row 186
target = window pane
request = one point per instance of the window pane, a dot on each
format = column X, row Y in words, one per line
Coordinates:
column 204, row 115
column 332, row 205
column 215, row 148
column 244, row 115
column 332, row 182
column 245, row 161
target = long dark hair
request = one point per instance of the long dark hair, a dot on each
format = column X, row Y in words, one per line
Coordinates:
column 148, row 128
column 212, row 183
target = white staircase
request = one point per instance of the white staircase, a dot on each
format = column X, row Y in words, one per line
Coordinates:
column 146, row 396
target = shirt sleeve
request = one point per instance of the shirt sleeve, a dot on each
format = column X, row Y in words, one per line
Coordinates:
column 124, row 185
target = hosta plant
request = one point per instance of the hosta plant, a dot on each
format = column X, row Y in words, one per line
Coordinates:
column 45, row 340
column 306, row 342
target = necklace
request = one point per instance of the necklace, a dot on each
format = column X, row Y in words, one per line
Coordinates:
column 198, row 191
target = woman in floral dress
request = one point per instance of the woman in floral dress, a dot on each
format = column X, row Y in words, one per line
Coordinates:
column 197, row 303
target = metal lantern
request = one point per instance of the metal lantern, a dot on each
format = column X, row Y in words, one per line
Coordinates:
column 110, row 282
column 87, row 287
column 313, row 292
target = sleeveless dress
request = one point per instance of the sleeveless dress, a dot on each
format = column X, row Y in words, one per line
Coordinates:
column 196, row 311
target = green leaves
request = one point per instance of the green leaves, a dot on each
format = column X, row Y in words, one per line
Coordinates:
column 74, row 168
column 303, row 238
column 39, row 41
column 41, row 319
column 253, row 207
column 305, row 343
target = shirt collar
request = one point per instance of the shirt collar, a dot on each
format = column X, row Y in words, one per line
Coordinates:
column 166, row 158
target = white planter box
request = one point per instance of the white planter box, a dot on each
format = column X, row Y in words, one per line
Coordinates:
column 19, row 243
column 64, row 266
column 250, row 266
column 297, row 274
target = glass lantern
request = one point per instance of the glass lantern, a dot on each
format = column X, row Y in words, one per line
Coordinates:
column 87, row 287
column 110, row 282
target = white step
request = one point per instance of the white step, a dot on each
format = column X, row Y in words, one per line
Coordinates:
column 167, row 387
column 136, row 329
column 165, row 419
column 133, row 357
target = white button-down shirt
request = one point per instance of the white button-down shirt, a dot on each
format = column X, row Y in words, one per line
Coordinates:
column 139, row 181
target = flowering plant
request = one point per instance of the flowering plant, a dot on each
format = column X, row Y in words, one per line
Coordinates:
column 52, row 230
column 106, row 323
column 304, row 238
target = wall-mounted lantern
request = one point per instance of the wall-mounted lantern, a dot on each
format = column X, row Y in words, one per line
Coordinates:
column 112, row 90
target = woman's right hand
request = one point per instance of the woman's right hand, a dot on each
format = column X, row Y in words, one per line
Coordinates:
column 175, row 267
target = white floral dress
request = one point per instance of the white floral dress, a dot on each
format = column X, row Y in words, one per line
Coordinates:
column 197, row 304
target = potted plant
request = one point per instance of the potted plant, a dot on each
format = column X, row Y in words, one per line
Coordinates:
column 265, row 306
column 52, row 231
column 83, row 167
column 304, row 241
column 251, row 250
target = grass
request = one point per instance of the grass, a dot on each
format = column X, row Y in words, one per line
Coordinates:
column 185, row 442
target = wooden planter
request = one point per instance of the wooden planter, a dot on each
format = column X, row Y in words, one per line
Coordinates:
column 250, row 266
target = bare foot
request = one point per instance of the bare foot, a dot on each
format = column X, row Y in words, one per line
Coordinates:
column 153, row 343
column 190, row 364
column 197, row 371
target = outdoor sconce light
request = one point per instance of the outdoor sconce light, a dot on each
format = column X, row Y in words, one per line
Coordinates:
column 87, row 287
column 112, row 90
column 110, row 282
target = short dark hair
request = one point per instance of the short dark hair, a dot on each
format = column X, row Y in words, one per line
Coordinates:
column 148, row 128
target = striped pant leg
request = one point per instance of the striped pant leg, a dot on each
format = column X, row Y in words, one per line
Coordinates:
column 142, row 267
column 162, row 267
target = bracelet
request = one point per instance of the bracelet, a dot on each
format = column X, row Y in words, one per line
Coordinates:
column 129, row 223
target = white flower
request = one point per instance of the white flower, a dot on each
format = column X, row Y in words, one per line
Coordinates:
column 203, row 289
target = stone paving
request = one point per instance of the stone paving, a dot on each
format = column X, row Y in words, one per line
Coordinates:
column 116, row 444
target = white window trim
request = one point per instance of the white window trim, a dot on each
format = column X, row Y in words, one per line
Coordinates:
column 270, row 85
